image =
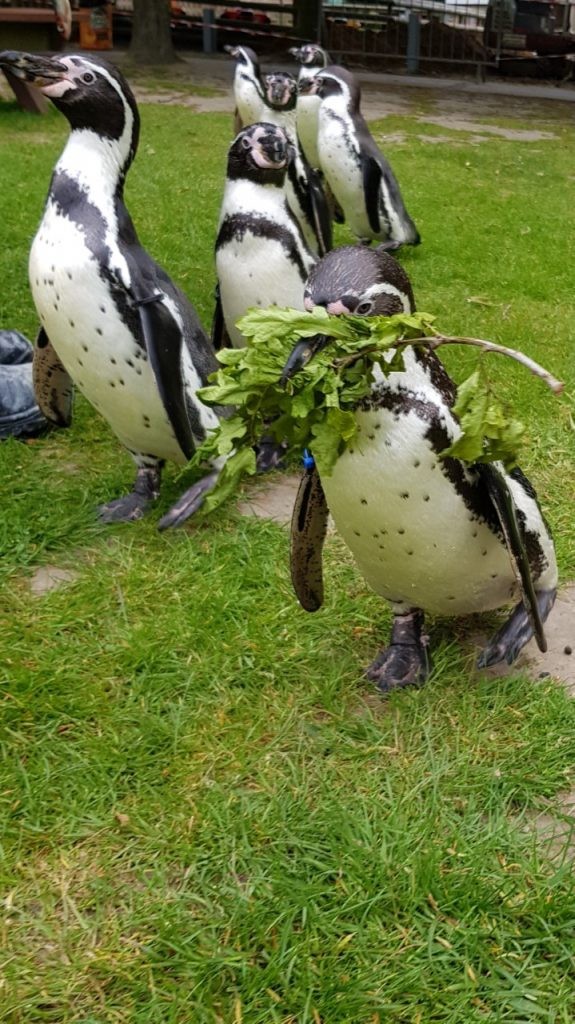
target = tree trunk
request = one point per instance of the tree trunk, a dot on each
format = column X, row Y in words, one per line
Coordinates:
column 151, row 36
column 307, row 17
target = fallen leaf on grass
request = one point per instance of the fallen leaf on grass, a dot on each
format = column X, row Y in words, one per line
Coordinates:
column 480, row 300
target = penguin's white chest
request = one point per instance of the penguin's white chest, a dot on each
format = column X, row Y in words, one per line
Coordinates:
column 248, row 100
column 97, row 348
column 339, row 161
column 307, row 112
column 255, row 271
column 410, row 531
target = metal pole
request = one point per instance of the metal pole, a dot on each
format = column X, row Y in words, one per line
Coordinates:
column 209, row 32
column 413, row 43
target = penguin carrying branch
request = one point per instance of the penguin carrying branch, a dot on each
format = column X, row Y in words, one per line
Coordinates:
column 356, row 170
column 429, row 533
column 113, row 322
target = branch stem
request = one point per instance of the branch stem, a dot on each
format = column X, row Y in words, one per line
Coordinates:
column 489, row 346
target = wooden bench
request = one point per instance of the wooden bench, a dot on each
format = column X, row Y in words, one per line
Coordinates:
column 32, row 29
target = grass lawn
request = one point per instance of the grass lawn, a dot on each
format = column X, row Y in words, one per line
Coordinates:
column 207, row 817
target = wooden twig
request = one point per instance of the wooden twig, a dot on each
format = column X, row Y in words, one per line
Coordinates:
column 490, row 346
column 436, row 340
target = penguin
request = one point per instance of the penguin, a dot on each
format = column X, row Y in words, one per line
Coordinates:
column 261, row 256
column 312, row 59
column 356, row 170
column 429, row 533
column 303, row 185
column 112, row 321
column 248, row 88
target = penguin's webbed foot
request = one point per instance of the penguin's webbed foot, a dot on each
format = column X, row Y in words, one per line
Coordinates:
column 270, row 455
column 406, row 661
column 189, row 503
column 124, row 510
column 390, row 246
column 515, row 632
column 134, row 506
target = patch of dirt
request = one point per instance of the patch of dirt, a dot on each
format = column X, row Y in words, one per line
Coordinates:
column 274, row 501
column 200, row 104
column 381, row 104
column 459, row 124
column 560, row 633
column 433, row 140
column 50, row 577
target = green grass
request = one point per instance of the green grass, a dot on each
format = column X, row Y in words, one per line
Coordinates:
column 207, row 817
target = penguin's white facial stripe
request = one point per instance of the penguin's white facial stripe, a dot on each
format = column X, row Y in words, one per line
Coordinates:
column 384, row 288
column 342, row 94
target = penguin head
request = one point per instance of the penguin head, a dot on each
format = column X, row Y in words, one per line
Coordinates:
column 280, row 90
column 353, row 279
column 261, row 152
column 359, row 280
column 92, row 94
column 311, row 55
column 334, row 82
column 243, row 55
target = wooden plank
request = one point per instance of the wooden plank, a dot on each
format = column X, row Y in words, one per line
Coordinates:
column 28, row 98
column 28, row 15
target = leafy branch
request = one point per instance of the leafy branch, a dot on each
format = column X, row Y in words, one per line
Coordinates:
column 317, row 407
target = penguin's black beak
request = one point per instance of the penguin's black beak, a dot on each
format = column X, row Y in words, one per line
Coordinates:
column 31, row 67
column 301, row 355
column 295, row 52
column 277, row 92
column 308, row 86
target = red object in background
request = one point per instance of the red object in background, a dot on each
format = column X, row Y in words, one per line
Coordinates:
column 238, row 14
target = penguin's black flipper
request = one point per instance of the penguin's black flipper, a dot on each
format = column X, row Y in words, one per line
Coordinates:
column 189, row 503
column 372, row 175
column 320, row 213
column 164, row 343
column 148, row 287
column 504, row 505
column 308, row 530
column 53, row 385
column 219, row 333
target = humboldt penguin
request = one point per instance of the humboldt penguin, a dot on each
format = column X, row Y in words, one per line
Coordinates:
column 429, row 533
column 112, row 320
column 303, row 185
column 248, row 87
column 356, row 170
column 261, row 256
column 312, row 59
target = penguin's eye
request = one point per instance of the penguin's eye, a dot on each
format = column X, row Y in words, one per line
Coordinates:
column 363, row 308
column 246, row 143
column 88, row 78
